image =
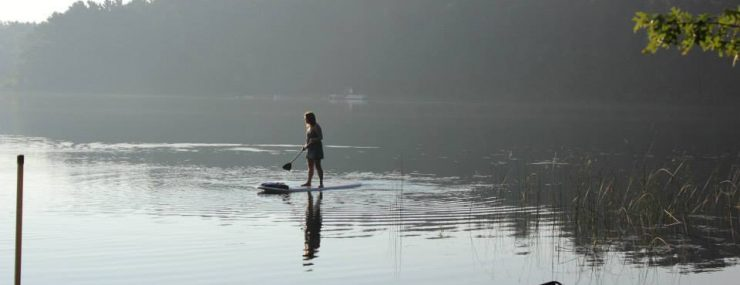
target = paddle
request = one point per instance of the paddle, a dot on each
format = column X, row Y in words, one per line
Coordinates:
column 289, row 165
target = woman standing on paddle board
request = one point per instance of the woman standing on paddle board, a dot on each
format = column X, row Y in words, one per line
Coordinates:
column 314, row 147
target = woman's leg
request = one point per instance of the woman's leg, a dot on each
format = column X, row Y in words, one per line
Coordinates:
column 321, row 173
column 310, row 172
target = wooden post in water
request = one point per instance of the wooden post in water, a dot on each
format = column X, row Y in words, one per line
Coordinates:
column 19, row 222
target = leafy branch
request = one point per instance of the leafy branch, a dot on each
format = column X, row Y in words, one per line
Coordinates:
column 680, row 29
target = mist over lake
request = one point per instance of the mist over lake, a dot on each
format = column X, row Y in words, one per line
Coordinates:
column 494, row 141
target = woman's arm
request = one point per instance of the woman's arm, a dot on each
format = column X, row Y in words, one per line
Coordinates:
column 314, row 140
column 318, row 138
column 319, row 135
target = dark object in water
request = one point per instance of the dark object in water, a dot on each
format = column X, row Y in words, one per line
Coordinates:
column 552, row 283
column 275, row 185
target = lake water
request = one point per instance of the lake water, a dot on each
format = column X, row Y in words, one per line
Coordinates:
column 135, row 189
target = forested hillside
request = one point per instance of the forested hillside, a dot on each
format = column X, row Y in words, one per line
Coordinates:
column 12, row 36
column 532, row 49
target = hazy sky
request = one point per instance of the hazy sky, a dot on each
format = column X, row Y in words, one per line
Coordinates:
column 32, row 10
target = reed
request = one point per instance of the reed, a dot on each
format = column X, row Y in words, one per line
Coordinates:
column 655, row 210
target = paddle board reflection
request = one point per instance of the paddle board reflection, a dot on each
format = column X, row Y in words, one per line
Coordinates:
column 312, row 229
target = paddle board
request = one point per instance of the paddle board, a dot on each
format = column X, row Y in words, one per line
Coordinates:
column 276, row 188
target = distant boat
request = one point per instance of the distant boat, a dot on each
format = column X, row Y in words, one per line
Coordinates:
column 359, row 97
column 278, row 97
column 349, row 96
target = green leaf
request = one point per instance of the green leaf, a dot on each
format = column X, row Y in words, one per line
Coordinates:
column 682, row 30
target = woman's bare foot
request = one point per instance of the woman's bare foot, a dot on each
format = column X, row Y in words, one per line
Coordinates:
column 321, row 185
column 306, row 184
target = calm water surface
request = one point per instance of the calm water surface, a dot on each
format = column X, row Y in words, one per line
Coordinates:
column 130, row 190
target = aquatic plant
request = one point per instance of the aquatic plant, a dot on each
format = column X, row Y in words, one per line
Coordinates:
column 677, row 211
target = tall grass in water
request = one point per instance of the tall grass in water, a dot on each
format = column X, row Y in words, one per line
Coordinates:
column 680, row 212
column 656, row 199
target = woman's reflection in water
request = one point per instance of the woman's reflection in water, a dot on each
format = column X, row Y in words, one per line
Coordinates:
column 312, row 229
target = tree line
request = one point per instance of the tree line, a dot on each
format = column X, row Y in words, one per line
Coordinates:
column 564, row 49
